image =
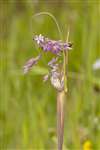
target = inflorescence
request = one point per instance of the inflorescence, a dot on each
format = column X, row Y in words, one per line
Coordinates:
column 55, row 74
column 51, row 45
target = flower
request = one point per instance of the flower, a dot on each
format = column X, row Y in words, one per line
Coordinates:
column 96, row 65
column 31, row 62
column 51, row 45
column 56, row 81
column 87, row 145
column 56, row 75
column 39, row 38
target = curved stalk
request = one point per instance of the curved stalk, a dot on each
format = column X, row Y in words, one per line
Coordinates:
column 54, row 19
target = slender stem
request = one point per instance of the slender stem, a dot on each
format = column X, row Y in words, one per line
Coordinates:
column 54, row 19
column 60, row 118
column 64, row 67
column 60, row 103
column 65, row 53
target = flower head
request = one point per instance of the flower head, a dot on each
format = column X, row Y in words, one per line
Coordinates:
column 56, row 73
column 52, row 45
column 39, row 39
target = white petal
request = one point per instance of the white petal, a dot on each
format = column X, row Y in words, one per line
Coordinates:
column 96, row 65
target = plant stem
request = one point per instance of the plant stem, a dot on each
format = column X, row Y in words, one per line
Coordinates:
column 65, row 53
column 64, row 68
column 60, row 102
column 60, row 118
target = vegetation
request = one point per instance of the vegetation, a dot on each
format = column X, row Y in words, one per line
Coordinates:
column 27, row 105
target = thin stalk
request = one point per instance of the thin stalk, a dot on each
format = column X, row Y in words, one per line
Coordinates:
column 53, row 18
column 61, row 95
column 60, row 118
column 64, row 68
column 60, row 103
column 65, row 54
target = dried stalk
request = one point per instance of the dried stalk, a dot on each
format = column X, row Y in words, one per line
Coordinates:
column 60, row 102
column 60, row 118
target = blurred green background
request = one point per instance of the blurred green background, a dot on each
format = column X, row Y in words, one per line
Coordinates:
column 27, row 105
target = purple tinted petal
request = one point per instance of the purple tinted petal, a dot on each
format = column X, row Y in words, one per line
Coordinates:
column 47, row 47
column 54, row 60
column 56, row 47
column 45, row 78
column 39, row 39
column 31, row 62
column 51, row 45
column 67, row 46
column 55, row 81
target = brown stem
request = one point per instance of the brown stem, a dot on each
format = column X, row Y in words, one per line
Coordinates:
column 60, row 102
column 60, row 118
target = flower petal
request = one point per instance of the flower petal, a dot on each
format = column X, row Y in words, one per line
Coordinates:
column 96, row 65
column 30, row 63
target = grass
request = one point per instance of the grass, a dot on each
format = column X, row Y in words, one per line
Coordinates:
column 27, row 105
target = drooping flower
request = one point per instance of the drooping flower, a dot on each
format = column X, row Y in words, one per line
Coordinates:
column 51, row 45
column 30, row 63
column 56, row 75
column 57, row 81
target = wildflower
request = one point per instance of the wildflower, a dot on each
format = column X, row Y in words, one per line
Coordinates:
column 39, row 39
column 57, row 82
column 51, row 45
column 31, row 62
column 96, row 65
column 55, row 74
column 87, row 145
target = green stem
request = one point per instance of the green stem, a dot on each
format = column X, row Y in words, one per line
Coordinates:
column 65, row 77
column 65, row 55
column 53, row 18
